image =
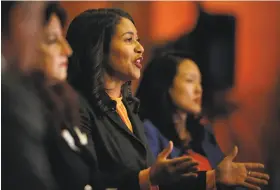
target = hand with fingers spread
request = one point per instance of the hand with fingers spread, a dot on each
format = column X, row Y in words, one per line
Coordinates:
column 170, row 170
column 240, row 174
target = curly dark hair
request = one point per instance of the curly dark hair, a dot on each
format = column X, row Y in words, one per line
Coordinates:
column 89, row 35
column 156, row 103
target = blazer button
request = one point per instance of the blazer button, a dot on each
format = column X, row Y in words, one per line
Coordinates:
column 88, row 187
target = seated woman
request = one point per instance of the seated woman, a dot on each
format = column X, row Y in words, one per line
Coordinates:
column 170, row 94
column 107, row 55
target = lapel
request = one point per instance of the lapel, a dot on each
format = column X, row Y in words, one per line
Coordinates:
column 116, row 119
column 138, row 128
column 137, row 134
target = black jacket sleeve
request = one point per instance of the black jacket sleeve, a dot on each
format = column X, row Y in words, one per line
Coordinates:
column 25, row 163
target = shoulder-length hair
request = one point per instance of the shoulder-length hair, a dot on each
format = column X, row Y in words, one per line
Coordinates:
column 55, row 8
column 89, row 35
column 156, row 103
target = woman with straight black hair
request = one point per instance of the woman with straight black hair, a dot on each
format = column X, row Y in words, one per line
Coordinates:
column 171, row 106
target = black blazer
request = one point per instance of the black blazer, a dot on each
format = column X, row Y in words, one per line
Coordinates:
column 34, row 153
column 120, row 154
column 73, row 167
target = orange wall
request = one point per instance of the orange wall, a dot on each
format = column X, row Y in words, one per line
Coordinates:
column 257, row 59
column 75, row 7
column 257, row 69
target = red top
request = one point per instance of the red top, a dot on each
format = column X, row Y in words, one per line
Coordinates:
column 203, row 163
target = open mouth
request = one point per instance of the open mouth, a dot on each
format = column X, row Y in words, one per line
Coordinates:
column 64, row 64
column 138, row 62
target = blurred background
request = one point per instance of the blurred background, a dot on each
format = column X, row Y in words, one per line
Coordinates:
column 255, row 125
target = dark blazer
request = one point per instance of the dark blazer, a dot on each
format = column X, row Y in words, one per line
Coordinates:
column 69, row 167
column 34, row 153
column 207, row 147
column 73, row 168
column 120, row 153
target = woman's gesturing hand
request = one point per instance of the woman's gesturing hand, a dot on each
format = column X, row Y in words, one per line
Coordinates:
column 169, row 170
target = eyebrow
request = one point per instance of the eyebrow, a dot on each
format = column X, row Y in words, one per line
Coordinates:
column 127, row 33
column 190, row 74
